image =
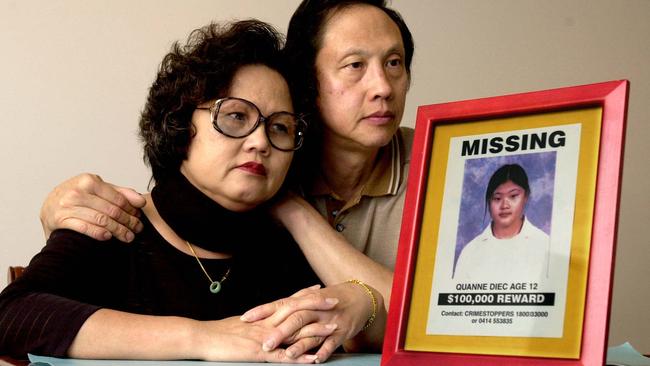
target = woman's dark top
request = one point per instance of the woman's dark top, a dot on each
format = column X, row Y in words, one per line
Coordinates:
column 74, row 276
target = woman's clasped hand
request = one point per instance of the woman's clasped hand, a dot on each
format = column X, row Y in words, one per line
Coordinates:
column 301, row 320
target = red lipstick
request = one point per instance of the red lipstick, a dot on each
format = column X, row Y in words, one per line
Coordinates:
column 254, row 167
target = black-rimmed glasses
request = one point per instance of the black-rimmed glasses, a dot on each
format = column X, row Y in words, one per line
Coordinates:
column 237, row 118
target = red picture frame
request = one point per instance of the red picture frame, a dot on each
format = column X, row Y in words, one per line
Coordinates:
column 612, row 98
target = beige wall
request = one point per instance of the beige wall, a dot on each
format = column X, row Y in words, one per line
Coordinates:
column 73, row 77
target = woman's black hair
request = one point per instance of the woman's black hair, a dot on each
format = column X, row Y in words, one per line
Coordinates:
column 507, row 172
column 304, row 40
column 201, row 70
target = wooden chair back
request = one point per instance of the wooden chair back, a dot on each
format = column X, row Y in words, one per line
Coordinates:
column 14, row 272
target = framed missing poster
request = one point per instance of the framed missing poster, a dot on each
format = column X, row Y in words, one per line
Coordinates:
column 509, row 227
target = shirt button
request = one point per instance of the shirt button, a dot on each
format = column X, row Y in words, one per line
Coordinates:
column 340, row 227
column 335, row 212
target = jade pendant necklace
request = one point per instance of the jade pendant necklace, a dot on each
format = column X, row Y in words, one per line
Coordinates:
column 215, row 286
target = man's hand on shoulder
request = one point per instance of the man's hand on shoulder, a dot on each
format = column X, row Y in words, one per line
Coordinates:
column 88, row 205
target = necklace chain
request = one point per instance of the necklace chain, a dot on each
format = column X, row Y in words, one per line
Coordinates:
column 215, row 286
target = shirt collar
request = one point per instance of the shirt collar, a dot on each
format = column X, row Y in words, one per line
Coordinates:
column 385, row 175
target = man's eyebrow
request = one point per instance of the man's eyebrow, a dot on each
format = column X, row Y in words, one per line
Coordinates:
column 394, row 49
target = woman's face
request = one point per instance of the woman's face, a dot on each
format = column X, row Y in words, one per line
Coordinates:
column 507, row 206
column 240, row 173
column 362, row 79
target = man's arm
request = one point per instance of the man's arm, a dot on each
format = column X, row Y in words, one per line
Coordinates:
column 88, row 205
column 330, row 255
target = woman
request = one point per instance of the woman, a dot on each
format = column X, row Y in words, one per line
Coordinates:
column 357, row 168
column 219, row 134
column 511, row 247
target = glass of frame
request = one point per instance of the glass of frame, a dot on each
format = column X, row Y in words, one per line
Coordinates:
column 508, row 233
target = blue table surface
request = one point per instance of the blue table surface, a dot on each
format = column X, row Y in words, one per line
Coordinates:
column 623, row 354
column 358, row 359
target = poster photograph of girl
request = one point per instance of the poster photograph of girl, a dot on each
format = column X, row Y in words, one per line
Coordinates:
column 512, row 229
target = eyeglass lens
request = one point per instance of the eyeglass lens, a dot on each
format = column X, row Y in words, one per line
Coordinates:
column 238, row 118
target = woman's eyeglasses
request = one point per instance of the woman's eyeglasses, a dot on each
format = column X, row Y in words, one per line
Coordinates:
column 237, row 118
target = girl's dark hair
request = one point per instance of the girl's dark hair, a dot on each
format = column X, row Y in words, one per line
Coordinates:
column 512, row 172
column 201, row 70
column 304, row 40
